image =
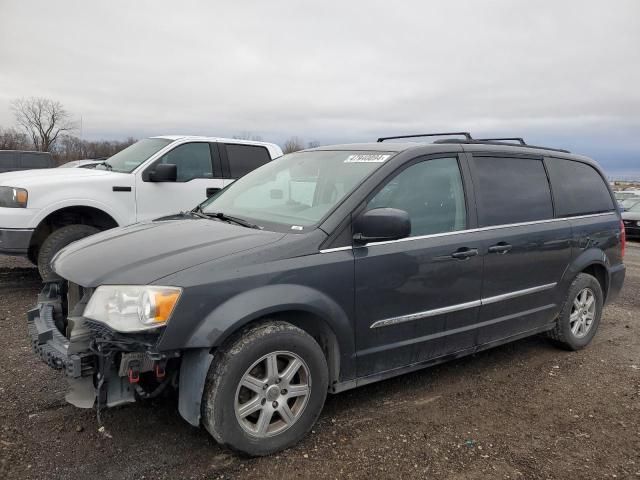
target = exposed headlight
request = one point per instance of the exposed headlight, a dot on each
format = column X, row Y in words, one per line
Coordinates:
column 13, row 197
column 132, row 308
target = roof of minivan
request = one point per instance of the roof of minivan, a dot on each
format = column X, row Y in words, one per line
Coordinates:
column 426, row 148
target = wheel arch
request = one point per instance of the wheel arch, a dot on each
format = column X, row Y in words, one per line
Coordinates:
column 599, row 271
column 593, row 262
column 69, row 215
column 302, row 306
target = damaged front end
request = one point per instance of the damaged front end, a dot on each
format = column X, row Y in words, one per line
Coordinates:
column 103, row 366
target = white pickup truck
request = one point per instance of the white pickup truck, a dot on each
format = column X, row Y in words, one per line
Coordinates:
column 42, row 211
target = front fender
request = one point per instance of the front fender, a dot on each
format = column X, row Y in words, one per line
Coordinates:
column 250, row 305
column 121, row 216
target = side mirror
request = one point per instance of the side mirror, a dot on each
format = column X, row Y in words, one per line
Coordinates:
column 164, row 172
column 381, row 224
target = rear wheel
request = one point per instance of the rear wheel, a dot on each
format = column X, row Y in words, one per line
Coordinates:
column 266, row 389
column 55, row 242
column 580, row 316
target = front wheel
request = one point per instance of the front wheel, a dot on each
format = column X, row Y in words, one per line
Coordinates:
column 55, row 242
column 266, row 389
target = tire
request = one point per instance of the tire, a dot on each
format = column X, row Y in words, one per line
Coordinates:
column 567, row 332
column 55, row 242
column 247, row 357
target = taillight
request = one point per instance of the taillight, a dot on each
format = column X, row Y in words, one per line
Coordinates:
column 623, row 239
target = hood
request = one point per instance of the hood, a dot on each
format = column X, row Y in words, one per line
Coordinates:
column 628, row 215
column 25, row 178
column 143, row 252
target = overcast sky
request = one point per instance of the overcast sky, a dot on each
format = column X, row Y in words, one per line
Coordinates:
column 562, row 73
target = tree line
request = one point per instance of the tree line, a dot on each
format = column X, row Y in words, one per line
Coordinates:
column 45, row 125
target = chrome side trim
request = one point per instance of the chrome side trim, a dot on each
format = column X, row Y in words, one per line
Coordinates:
column 337, row 249
column 460, row 306
column 470, row 230
column 486, row 229
column 517, row 293
column 454, row 331
column 427, row 313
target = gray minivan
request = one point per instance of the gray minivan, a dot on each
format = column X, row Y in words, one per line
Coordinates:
column 16, row 160
column 328, row 269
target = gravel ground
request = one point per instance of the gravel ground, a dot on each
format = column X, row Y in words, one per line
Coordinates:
column 525, row 410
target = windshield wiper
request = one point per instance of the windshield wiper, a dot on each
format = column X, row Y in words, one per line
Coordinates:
column 198, row 212
column 106, row 165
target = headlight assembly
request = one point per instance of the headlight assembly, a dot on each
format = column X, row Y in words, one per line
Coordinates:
column 132, row 308
column 12, row 197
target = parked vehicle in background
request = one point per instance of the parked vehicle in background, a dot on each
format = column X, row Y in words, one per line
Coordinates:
column 43, row 211
column 625, row 194
column 631, row 219
column 328, row 269
column 628, row 203
column 18, row 160
column 87, row 163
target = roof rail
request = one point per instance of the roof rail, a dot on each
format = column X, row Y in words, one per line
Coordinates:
column 496, row 142
column 478, row 141
column 520, row 140
column 467, row 135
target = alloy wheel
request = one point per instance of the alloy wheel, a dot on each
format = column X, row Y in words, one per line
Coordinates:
column 272, row 394
column 583, row 312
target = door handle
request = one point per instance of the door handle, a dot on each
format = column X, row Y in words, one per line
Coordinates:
column 212, row 191
column 464, row 253
column 502, row 247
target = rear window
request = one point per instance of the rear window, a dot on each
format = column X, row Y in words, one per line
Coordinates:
column 9, row 160
column 578, row 189
column 511, row 190
column 35, row 160
column 244, row 158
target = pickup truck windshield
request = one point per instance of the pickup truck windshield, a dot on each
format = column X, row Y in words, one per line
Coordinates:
column 131, row 157
column 296, row 190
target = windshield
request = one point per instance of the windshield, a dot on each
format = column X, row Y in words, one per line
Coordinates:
column 635, row 207
column 296, row 190
column 130, row 158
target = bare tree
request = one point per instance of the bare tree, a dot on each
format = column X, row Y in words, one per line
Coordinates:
column 12, row 139
column 293, row 145
column 42, row 119
column 73, row 148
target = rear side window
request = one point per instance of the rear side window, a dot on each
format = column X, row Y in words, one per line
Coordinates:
column 244, row 158
column 511, row 190
column 578, row 189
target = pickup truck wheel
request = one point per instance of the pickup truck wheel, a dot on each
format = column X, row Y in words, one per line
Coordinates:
column 265, row 390
column 55, row 242
column 580, row 316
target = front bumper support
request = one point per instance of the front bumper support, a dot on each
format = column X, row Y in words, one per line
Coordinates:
column 52, row 347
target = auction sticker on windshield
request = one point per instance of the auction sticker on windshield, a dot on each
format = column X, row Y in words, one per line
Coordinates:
column 366, row 158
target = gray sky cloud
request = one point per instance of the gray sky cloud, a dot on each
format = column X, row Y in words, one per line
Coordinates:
column 565, row 73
